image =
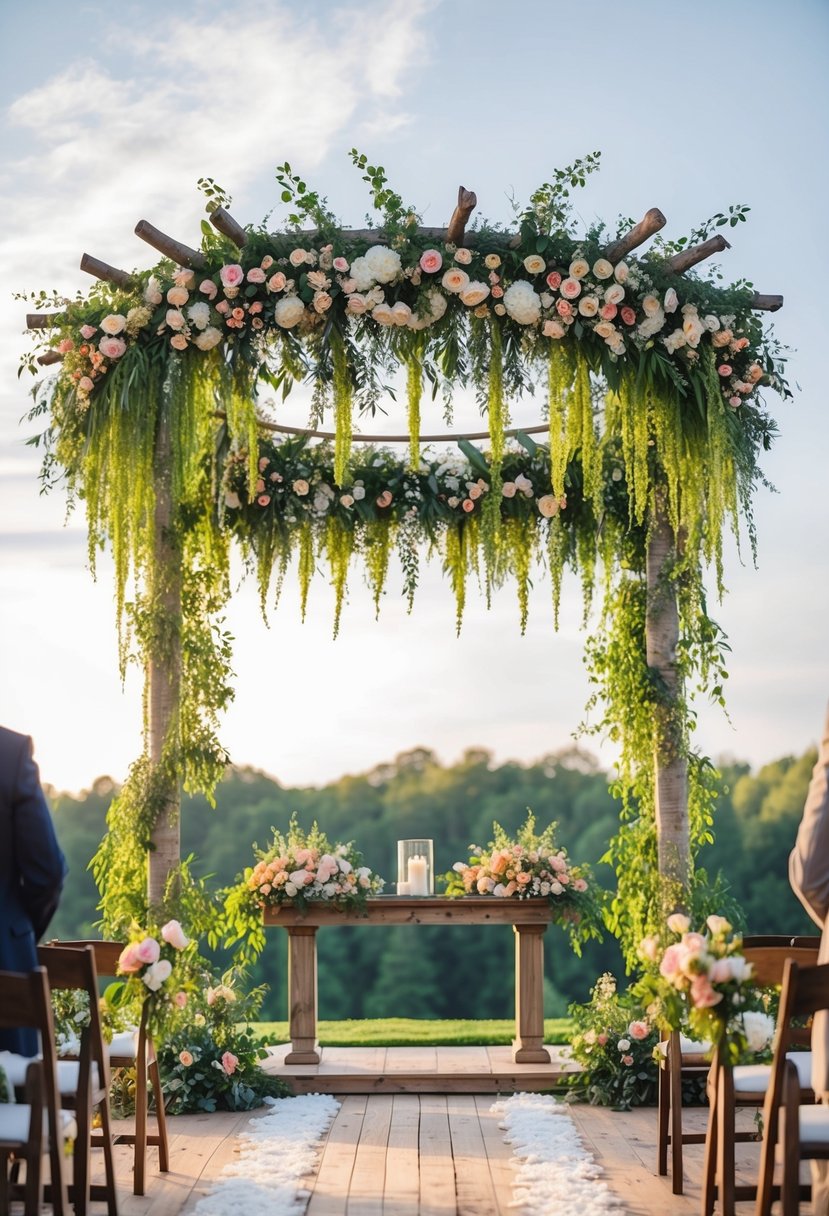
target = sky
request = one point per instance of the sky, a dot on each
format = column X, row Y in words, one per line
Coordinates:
column 112, row 115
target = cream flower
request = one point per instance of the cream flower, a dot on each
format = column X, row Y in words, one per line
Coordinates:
column 671, row 301
column 602, row 269
column 693, row 328
column 588, row 306
column 579, row 267
column 175, row 319
column 177, row 296
column 455, row 280
column 199, row 314
column 208, row 338
column 383, row 314
column 474, row 293
column 548, row 505
column 114, row 323
column 401, row 313
column 113, row 348
column 614, row 294
column 553, row 329
column 621, row 272
column 463, row 256
column 361, row 274
column 492, row 261
column 288, row 312
column 650, row 306
column 534, row 264
column 522, row 303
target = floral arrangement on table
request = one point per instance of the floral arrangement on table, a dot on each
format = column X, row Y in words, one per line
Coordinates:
column 301, row 868
column 699, row 981
column 159, row 968
column 614, row 1042
column 532, row 865
column 214, row 1061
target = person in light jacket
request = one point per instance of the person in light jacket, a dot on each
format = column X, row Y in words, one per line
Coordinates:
column 809, row 877
column 32, row 869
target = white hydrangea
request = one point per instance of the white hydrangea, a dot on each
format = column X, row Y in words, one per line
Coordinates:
column 759, row 1030
column 199, row 314
column 208, row 338
column 384, row 263
column 522, row 303
column 288, row 312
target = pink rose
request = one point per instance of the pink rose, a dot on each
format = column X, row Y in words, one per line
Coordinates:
column 639, row 1030
column 725, row 369
column 553, row 329
column 129, row 962
column 703, row 995
column 185, row 1058
column 570, row 288
column 297, row 256
column 554, row 280
column 208, row 288
column 732, row 401
column 340, row 265
column 463, row 256
column 608, row 312
column 670, row 962
column 223, row 307
column 579, row 884
column 88, row 330
column 148, row 951
column 508, row 489
column 267, row 262
column 739, row 344
column 601, row 1039
column 300, row 487
column 230, row 1063
column 720, row 971
column 86, row 385
column 263, row 500
column 430, row 261
column 113, row 348
column 178, row 296
column 628, row 315
column 277, row 282
column 384, row 499
column 178, row 342
column 256, row 275
column 174, row 935
column 180, row 1000
column 468, row 505
column 65, row 345
column 627, row 1060
column 564, row 308
column 232, row 276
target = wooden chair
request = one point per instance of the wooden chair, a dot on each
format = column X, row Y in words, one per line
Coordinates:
column 84, row 1085
column 25, row 1001
column 682, row 1059
column 746, row 1085
column 134, row 1049
column 801, row 1132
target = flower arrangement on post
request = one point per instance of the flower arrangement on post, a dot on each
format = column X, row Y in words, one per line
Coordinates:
column 614, row 1042
column 531, row 866
column 213, row 1063
column 702, row 981
column 158, row 968
column 304, row 867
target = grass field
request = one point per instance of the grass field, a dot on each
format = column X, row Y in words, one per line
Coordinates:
column 413, row 1032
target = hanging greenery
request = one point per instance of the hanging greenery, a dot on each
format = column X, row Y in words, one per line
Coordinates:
column 652, row 380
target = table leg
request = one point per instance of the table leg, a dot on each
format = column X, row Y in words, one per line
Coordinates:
column 302, row 995
column 528, row 1044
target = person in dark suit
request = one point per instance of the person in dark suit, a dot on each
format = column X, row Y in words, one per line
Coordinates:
column 32, row 869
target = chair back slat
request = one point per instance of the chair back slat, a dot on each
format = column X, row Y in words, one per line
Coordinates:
column 768, row 957
column 106, row 954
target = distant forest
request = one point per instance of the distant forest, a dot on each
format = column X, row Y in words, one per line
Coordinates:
column 455, row 972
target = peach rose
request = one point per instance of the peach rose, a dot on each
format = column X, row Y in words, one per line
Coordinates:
column 570, row 288
column 463, row 256
column 208, row 288
column 256, row 275
column 455, row 280
column 230, row 1063
column 185, row 1058
column 639, row 1030
column 177, row 296
column 384, row 499
column 179, row 342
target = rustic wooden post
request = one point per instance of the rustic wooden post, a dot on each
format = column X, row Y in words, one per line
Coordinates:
column 163, row 675
column 661, row 637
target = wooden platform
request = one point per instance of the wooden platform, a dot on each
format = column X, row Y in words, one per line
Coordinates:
column 423, row 1155
column 418, row 1070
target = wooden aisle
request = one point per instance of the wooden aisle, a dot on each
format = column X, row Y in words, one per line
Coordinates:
column 423, row 1155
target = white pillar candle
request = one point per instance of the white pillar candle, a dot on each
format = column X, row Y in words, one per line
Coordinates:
column 418, row 876
column 404, row 888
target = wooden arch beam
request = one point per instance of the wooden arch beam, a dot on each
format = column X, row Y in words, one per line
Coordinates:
column 651, row 222
column 105, row 272
column 183, row 255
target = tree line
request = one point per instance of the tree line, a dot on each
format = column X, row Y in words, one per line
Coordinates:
column 459, row 971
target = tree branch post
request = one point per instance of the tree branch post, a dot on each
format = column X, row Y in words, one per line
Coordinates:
column 670, row 761
column 163, row 674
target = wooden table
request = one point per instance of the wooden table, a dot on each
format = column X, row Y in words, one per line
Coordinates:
column 528, row 917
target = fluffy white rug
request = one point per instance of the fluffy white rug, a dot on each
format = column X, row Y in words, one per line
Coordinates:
column 556, row 1173
column 276, row 1151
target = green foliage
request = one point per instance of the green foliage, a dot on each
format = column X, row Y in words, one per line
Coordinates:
column 412, row 1032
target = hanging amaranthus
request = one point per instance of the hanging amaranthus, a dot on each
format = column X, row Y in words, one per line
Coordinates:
column 342, row 407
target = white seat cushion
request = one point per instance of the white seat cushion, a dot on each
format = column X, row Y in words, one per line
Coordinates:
column 754, row 1078
column 124, row 1044
column 15, row 1121
column 14, row 1066
column 688, row 1047
column 814, row 1124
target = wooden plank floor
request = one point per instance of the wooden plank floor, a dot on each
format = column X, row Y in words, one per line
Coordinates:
column 423, row 1155
column 440, row 1070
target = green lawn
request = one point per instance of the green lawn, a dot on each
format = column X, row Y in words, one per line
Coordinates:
column 413, row 1032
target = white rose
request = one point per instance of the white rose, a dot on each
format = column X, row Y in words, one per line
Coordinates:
column 650, row 305
column 474, row 293
column 208, row 338
column 759, row 1030
column 579, row 267
column 740, row 969
column 693, row 328
column 522, row 303
column 383, row 263
column 359, row 493
column 157, row 973
column 711, row 323
column 534, row 264
column 602, row 269
column 614, row 294
column 621, row 272
column 288, row 312
column 671, row 301
column 588, row 306
column 437, row 305
column 623, row 1045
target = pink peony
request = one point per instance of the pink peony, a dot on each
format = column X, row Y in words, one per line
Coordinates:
column 232, row 276
column 627, row 1060
column 431, row 261
column 230, row 1063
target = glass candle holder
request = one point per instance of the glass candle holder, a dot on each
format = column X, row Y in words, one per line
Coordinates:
column 415, row 867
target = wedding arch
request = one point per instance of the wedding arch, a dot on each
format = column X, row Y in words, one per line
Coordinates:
column 653, row 426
